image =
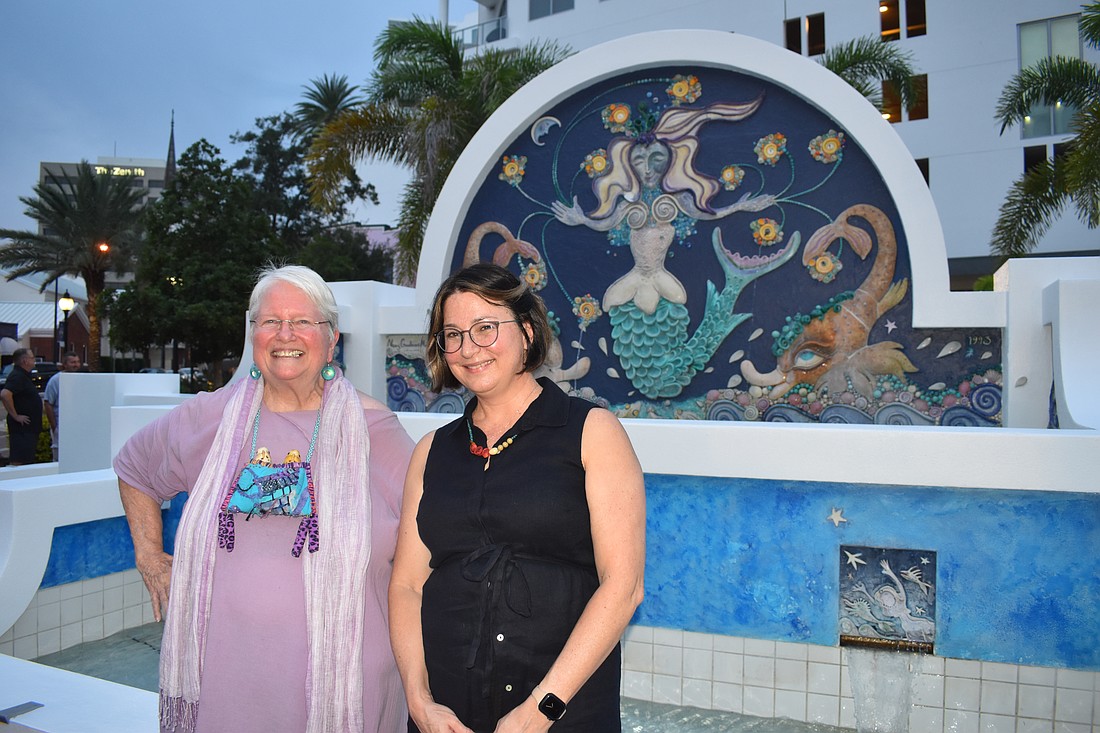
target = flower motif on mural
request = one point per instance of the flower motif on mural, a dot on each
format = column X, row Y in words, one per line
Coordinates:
column 828, row 148
column 616, row 116
column 684, row 89
column 766, row 232
column 512, row 170
column 732, row 175
column 534, row 274
column 595, row 163
column 586, row 309
column 824, row 267
column 770, row 148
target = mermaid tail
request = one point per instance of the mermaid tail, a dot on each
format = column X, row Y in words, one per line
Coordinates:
column 654, row 349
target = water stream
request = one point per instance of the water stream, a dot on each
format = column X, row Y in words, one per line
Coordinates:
column 882, row 688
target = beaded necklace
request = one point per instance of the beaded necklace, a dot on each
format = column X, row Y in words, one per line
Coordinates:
column 484, row 451
column 312, row 441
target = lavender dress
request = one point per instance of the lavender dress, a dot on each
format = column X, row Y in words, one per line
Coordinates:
column 254, row 673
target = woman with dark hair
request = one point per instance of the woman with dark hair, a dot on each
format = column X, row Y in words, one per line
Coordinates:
column 521, row 548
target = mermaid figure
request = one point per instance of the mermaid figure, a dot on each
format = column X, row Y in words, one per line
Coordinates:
column 651, row 192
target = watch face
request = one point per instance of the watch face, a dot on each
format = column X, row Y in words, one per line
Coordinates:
column 552, row 706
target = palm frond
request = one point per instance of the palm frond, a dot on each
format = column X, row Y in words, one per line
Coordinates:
column 324, row 99
column 1050, row 81
column 1081, row 164
column 1090, row 24
column 496, row 74
column 431, row 41
column 866, row 61
column 407, row 81
column 1032, row 204
column 415, row 211
column 371, row 131
column 77, row 214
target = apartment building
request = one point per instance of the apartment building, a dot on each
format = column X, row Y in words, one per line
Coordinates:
column 965, row 53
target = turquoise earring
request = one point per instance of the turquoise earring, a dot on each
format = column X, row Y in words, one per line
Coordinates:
column 328, row 372
column 254, row 372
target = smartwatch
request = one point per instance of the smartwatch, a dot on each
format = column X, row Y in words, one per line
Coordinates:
column 552, row 706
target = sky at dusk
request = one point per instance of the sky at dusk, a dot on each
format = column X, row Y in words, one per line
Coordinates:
column 81, row 79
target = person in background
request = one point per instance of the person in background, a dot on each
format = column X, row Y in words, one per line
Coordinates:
column 70, row 362
column 24, row 407
column 521, row 550
column 276, row 591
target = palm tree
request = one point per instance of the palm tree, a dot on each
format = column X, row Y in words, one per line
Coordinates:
column 85, row 233
column 867, row 61
column 1038, row 197
column 426, row 99
column 325, row 99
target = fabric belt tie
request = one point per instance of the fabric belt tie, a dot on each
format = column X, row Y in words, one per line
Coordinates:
column 497, row 564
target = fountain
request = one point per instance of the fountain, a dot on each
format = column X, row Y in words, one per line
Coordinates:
column 882, row 688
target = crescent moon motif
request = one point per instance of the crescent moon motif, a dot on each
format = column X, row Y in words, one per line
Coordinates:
column 541, row 127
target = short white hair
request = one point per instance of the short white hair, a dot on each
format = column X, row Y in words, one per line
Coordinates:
column 301, row 277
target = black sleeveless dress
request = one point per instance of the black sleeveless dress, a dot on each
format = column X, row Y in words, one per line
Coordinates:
column 512, row 567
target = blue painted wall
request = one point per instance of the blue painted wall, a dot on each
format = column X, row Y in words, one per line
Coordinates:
column 92, row 549
column 1018, row 571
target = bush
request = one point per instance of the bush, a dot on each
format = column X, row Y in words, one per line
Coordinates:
column 43, row 452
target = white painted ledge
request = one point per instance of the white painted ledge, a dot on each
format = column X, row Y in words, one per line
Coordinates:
column 74, row 703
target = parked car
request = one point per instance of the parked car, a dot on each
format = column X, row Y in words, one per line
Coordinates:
column 42, row 372
column 193, row 380
column 154, row 370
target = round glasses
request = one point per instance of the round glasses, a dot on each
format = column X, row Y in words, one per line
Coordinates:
column 295, row 324
column 482, row 333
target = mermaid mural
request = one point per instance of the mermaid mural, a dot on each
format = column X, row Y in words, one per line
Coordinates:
column 649, row 192
column 670, row 226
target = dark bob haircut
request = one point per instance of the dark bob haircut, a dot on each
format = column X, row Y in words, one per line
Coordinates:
column 498, row 286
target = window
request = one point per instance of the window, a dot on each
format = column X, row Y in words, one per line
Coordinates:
column 792, row 34
column 915, row 24
column 1040, row 40
column 890, row 13
column 1037, row 154
column 815, row 34
column 1034, row 155
column 891, row 101
column 156, row 183
column 542, row 8
column 919, row 110
column 922, row 164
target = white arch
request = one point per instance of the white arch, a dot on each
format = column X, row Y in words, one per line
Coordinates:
column 934, row 305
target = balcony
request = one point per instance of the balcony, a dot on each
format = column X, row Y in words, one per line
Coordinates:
column 484, row 33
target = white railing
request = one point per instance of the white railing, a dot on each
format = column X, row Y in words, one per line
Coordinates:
column 487, row 32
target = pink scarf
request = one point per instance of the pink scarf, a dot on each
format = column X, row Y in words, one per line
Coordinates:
column 335, row 576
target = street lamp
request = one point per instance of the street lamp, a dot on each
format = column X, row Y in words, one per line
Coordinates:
column 66, row 304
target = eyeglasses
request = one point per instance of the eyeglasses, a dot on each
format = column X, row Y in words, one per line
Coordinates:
column 295, row 324
column 482, row 333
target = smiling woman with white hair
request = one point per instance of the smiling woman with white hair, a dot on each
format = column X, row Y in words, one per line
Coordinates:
column 276, row 591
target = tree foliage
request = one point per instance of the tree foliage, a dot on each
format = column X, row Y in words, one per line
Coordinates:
column 205, row 242
column 90, row 226
column 323, row 100
column 866, row 62
column 1039, row 196
column 340, row 254
column 425, row 101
